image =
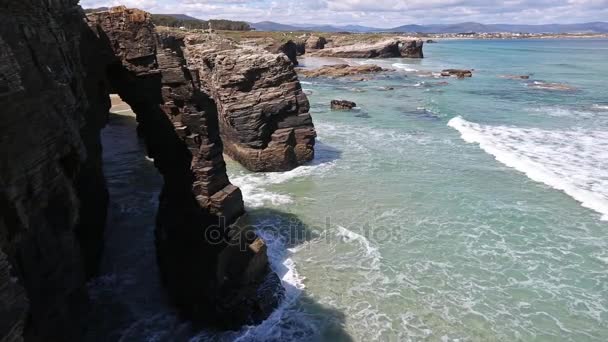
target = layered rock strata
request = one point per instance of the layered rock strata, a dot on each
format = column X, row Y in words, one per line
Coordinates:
column 263, row 112
column 56, row 73
column 388, row 48
column 212, row 269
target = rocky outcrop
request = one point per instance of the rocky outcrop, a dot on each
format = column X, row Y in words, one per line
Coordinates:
column 263, row 113
column 459, row 73
column 211, row 268
column 56, row 72
column 341, row 70
column 411, row 49
column 300, row 48
column 389, row 48
column 315, row 43
column 342, row 105
column 289, row 48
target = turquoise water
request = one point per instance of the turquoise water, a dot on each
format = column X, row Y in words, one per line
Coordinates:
column 418, row 234
column 468, row 211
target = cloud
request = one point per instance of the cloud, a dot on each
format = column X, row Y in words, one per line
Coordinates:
column 378, row 13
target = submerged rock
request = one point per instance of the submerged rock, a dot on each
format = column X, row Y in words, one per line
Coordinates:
column 550, row 86
column 340, row 70
column 342, row 105
column 515, row 77
column 389, row 48
column 459, row 73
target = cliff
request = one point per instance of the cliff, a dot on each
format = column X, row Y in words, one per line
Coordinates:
column 56, row 72
column 53, row 198
column 262, row 109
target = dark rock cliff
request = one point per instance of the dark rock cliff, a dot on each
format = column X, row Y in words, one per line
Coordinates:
column 53, row 198
column 56, row 72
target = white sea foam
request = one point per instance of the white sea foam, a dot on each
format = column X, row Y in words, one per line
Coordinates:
column 600, row 107
column 306, row 82
column 562, row 112
column 371, row 252
column 575, row 162
column 253, row 185
column 404, row 67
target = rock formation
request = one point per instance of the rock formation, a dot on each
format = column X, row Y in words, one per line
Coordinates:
column 56, row 72
column 210, row 280
column 459, row 73
column 388, row 48
column 315, row 43
column 342, row 105
column 340, row 70
column 263, row 112
column 289, row 48
column 53, row 198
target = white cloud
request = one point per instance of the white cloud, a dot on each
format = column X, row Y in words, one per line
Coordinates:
column 378, row 13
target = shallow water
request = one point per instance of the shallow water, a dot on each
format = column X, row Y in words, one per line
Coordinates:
column 469, row 211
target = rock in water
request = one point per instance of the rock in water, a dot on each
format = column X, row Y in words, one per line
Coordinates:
column 263, row 112
column 315, row 43
column 515, row 77
column 460, row 73
column 340, row 70
column 342, row 105
column 389, row 48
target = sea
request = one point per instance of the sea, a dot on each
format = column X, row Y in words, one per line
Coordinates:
column 439, row 209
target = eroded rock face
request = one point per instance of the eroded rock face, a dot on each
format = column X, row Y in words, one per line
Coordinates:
column 388, row 48
column 56, row 72
column 53, row 198
column 212, row 268
column 341, row 70
column 263, row 113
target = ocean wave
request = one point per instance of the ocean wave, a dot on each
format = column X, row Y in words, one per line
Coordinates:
column 600, row 107
column 571, row 161
column 253, row 185
column 370, row 251
column 404, row 67
column 562, row 112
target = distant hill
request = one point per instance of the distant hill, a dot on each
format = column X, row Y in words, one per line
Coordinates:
column 467, row 27
column 183, row 20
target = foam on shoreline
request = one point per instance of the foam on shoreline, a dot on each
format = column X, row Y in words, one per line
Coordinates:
column 570, row 161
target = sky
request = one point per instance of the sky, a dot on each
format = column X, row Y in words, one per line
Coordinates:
column 377, row 13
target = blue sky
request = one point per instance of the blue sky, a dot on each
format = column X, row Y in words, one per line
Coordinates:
column 378, row 13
